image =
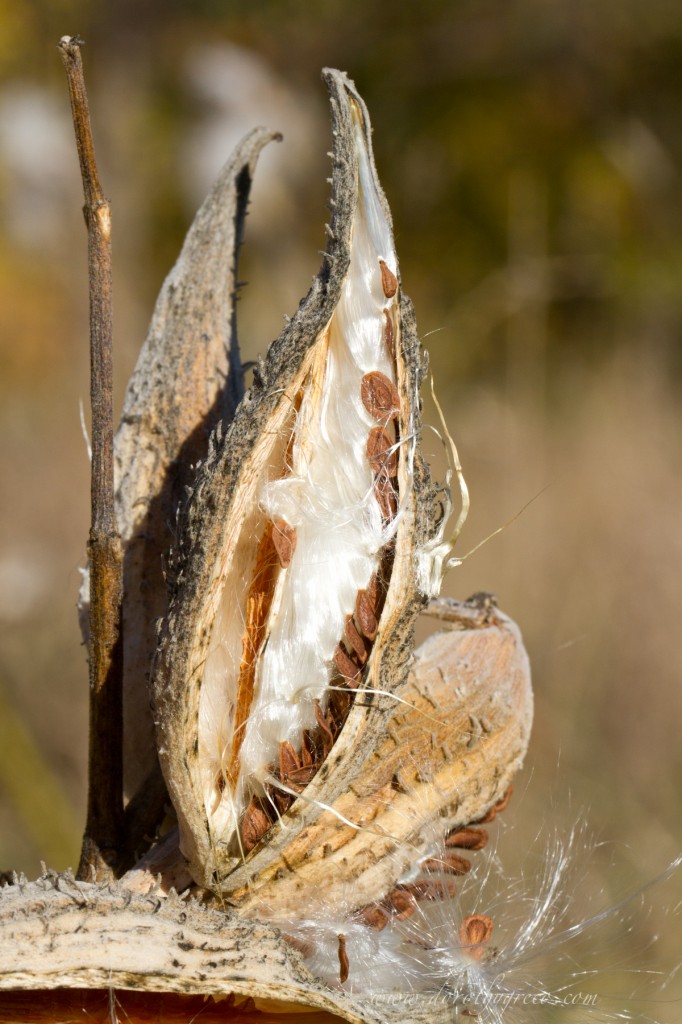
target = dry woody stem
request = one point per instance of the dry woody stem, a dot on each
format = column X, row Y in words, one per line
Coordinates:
column 105, row 801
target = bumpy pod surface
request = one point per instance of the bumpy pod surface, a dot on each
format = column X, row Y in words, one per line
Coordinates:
column 296, row 576
column 187, row 379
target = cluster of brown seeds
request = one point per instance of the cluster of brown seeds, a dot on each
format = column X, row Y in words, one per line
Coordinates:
column 381, row 400
column 296, row 769
column 401, row 902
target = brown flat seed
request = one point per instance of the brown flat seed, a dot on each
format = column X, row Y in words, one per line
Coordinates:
column 474, row 932
column 431, row 889
column 374, row 593
column 300, row 777
column 380, row 396
column 454, row 864
column 346, row 667
column 374, row 916
column 451, row 863
column 364, row 615
column 255, row 824
column 288, row 760
column 338, row 708
column 388, row 334
column 382, row 453
column 327, row 736
column 315, row 745
column 467, row 838
column 385, row 493
column 284, row 541
column 355, row 641
column 389, row 282
column 344, row 965
column 400, row 903
column 307, row 750
column 282, row 801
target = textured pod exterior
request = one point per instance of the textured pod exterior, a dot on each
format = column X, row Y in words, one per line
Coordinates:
column 448, row 755
column 217, row 563
column 58, row 935
column 187, row 379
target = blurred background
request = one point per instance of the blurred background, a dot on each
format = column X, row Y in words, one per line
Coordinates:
column 531, row 151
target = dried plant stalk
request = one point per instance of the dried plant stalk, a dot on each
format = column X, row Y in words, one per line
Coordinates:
column 100, row 850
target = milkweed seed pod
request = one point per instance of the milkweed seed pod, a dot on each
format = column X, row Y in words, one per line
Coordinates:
column 297, row 578
column 187, row 379
column 331, row 786
column 304, row 554
column 414, row 814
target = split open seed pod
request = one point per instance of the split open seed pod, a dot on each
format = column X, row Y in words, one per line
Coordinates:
column 329, row 783
column 297, row 577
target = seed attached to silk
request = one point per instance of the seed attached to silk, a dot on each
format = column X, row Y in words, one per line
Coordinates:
column 467, row 838
column 344, row 964
column 381, row 451
column 354, row 640
column 346, row 667
column 474, row 932
column 365, row 615
column 389, row 282
column 386, row 495
column 451, row 863
column 255, row 824
column 380, row 396
column 284, row 541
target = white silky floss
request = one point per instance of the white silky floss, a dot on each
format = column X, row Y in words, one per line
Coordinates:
column 329, row 498
column 543, row 955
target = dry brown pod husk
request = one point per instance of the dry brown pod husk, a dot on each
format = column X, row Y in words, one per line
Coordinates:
column 399, row 748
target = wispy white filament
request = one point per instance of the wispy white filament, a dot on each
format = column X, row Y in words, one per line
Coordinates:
column 541, row 964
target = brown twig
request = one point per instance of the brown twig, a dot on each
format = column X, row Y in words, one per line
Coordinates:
column 105, row 802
